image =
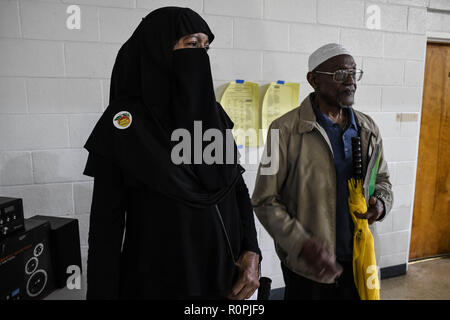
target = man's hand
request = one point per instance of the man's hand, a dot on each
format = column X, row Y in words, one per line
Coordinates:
column 248, row 280
column 319, row 259
column 374, row 211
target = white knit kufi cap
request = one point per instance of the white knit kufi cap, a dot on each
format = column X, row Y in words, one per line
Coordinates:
column 324, row 53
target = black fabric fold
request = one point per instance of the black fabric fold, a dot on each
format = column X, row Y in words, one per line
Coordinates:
column 154, row 233
column 164, row 90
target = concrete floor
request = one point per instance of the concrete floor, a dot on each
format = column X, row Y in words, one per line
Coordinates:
column 425, row 280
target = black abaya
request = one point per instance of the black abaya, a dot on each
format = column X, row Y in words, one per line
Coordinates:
column 170, row 250
column 154, row 232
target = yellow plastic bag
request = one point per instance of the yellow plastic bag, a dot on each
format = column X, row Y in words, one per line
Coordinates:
column 365, row 271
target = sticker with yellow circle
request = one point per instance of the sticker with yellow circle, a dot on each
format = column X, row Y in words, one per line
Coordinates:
column 122, row 120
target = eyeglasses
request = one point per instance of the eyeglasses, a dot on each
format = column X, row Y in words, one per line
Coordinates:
column 341, row 75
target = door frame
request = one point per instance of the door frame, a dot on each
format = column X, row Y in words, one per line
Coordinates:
column 438, row 37
column 432, row 37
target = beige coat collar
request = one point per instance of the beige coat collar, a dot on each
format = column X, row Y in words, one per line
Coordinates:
column 307, row 120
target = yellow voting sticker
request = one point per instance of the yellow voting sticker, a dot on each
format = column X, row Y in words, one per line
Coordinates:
column 122, row 120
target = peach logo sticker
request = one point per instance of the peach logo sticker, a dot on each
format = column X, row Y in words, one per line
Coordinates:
column 122, row 120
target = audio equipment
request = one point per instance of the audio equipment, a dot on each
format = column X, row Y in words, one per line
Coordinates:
column 11, row 216
column 25, row 263
column 64, row 246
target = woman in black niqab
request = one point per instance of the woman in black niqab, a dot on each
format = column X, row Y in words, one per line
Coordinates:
column 175, row 244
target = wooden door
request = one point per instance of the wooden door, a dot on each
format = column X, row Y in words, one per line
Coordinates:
column 431, row 216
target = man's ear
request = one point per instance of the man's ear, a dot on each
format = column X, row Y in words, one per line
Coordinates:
column 311, row 79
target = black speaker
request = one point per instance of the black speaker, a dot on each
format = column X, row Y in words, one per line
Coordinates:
column 64, row 246
column 25, row 264
column 11, row 216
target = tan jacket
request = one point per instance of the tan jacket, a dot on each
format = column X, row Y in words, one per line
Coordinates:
column 299, row 201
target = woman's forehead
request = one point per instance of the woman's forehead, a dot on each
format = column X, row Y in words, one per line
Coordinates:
column 199, row 35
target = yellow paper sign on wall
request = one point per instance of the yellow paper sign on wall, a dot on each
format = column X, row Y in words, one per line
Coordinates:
column 280, row 98
column 241, row 102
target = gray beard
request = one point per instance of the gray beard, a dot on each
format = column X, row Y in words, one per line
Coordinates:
column 340, row 104
column 344, row 106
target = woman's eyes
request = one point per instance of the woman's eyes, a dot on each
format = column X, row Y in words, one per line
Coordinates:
column 194, row 44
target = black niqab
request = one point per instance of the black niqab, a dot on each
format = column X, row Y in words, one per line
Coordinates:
column 164, row 90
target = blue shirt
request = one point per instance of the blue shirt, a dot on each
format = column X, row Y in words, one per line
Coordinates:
column 341, row 142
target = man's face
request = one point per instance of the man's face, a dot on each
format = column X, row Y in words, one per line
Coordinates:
column 340, row 94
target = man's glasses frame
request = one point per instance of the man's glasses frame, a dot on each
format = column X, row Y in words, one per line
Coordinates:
column 342, row 74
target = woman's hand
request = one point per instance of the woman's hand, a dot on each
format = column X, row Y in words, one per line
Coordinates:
column 248, row 280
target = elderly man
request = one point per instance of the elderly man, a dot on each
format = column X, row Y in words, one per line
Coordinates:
column 304, row 204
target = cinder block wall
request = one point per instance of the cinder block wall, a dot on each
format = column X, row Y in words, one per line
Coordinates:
column 54, row 85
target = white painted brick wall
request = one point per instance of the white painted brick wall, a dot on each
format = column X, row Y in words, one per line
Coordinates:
column 80, row 127
column 105, row 92
column 64, row 95
column 235, row 8
column 440, row 4
column 102, row 3
column 59, row 165
column 291, row 10
column 381, row 71
column 368, row 98
column 15, row 168
column 9, row 19
column 27, row 132
column 83, row 223
column 82, row 194
column 44, row 21
column 438, row 21
column 408, row 124
column 117, row 25
column 261, row 35
column 54, row 85
column 393, row 18
column 347, row 13
column 401, row 99
column 13, row 95
column 394, row 242
column 387, row 225
column 401, row 218
column 388, row 123
column 223, row 30
column 54, row 199
column 87, row 60
column 414, row 71
column 404, row 46
column 231, row 64
column 31, row 58
column 322, row 35
column 392, row 260
column 420, row 3
column 400, row 149
column 417, row 20
column 366, row 43
column 284, row 66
